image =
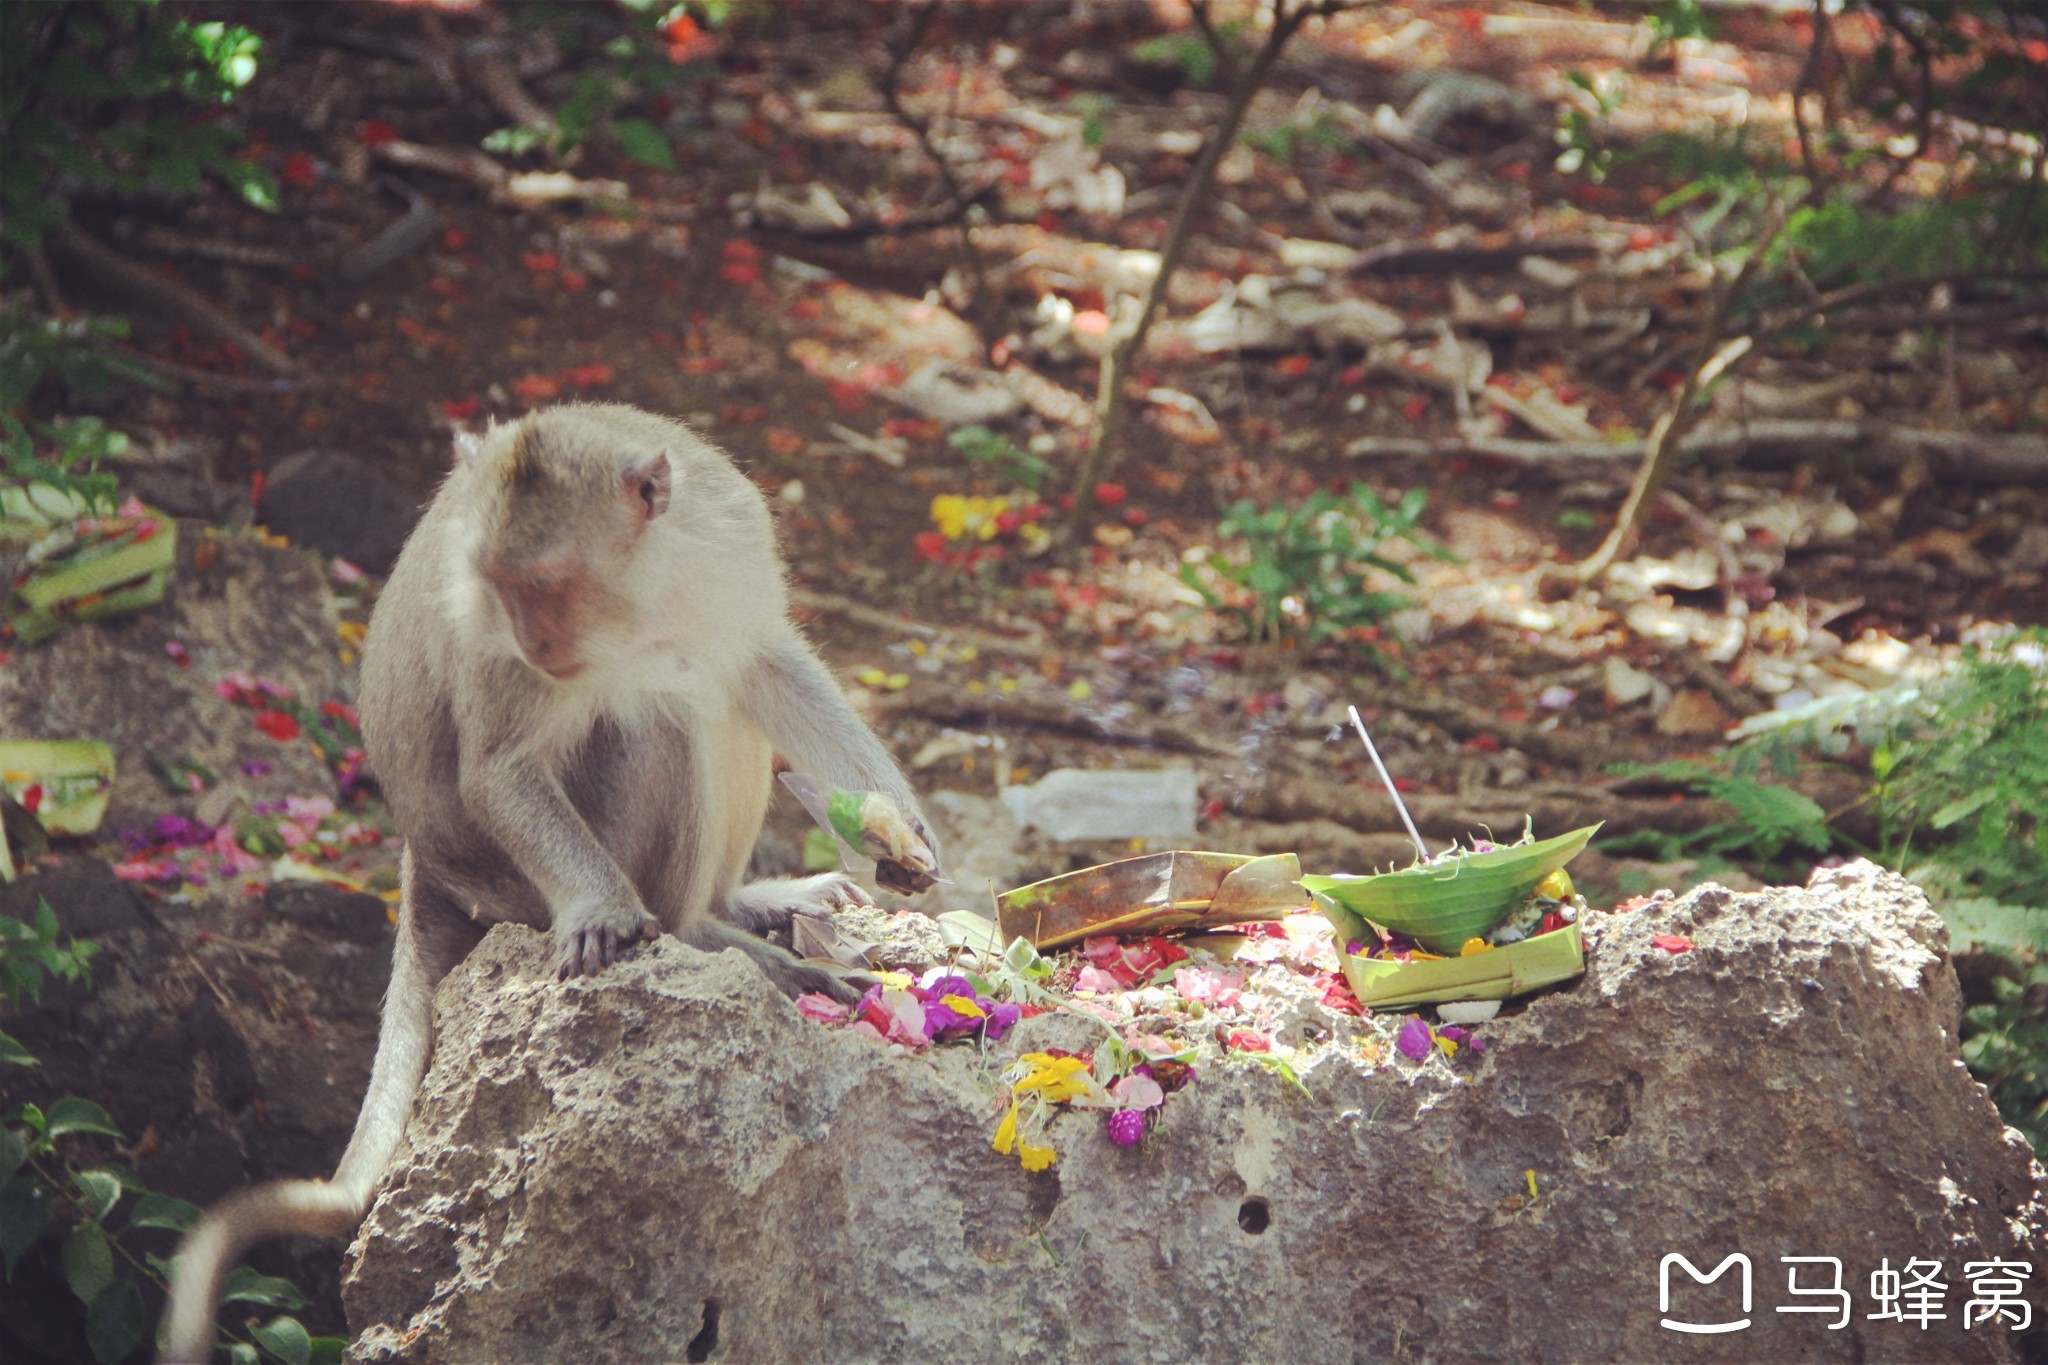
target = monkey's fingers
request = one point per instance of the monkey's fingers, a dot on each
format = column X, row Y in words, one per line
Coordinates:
column 587, row 952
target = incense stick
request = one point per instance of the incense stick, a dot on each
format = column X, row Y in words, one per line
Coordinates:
column 1421, row 849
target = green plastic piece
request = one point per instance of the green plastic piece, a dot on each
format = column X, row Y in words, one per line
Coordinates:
column 843, row 810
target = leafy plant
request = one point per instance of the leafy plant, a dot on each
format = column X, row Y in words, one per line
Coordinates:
column 1766, row 819
column 1003, row 456
column 1305, row 571
column 1959, row 786
column 118, row 93
column 74, row 352
column 648, row 60
column 71, row 467
column 50, row 1174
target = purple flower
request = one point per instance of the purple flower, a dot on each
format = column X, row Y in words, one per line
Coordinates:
column 256, row 767
column 1000, row 1019
column 180, row 832
column 942, row 1020
column 1463, row 1037
column 1414, row 1042
column 1126, row 1127
column 944, row 986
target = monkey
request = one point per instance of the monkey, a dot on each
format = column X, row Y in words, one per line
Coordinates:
column 573, row 687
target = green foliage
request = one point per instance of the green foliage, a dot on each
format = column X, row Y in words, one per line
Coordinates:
column 50, row 1178
column 71, row 466
column 1002, row 456
column 1188, row 51
column 1284, row 141
column 1303, row 572
column 2005, row 1045
column 628, row 61
column 1959, row 786
column 1766, row 819
column 1581, row 148
column 116, row 92
column 71, row 352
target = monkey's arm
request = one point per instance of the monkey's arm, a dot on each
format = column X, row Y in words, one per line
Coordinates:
column 594, row 907
column 793, row 698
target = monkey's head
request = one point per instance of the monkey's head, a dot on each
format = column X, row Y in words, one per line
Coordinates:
column 567, row 516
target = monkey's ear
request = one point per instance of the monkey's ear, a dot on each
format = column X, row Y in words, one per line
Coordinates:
column 467, row 444
column 649, row 483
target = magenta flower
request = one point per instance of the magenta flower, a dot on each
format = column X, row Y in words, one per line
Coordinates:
column 1414, row 1042
column 1126, row 1127
column 1000, row 1019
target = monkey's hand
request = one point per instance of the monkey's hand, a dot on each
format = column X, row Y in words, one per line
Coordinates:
column 587, row 941
column 764, row 906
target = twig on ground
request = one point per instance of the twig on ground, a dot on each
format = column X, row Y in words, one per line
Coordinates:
column 1196, row 196
column 139, row 281
column 2016, row 457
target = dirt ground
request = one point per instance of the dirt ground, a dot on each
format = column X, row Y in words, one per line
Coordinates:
column 773, row 287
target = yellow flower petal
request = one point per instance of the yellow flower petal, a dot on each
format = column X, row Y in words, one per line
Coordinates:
column 960, row 1004
column 1475, row 945
column 1036, row 1158
column 1006, row 1132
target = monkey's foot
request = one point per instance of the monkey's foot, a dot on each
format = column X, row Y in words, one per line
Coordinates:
column 767, row 905
column 594, row 941
column 791, row 977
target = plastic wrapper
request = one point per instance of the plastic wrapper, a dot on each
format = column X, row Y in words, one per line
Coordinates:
column 872, row 826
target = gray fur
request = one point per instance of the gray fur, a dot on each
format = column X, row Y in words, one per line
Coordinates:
column 605, row 808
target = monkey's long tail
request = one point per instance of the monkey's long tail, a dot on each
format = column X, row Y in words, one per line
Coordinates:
column 320, row 1208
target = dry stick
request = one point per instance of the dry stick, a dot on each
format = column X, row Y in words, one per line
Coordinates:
column 1716, row 356
column 1110, row 399
column 962, row 200
column 117, row 270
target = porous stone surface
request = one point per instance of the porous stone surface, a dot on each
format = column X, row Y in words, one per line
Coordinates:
column 666, row 1162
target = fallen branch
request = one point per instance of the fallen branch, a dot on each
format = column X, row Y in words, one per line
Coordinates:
column 875, row 618
column 1715, row 354
column 138, row 281
column 1994, row 457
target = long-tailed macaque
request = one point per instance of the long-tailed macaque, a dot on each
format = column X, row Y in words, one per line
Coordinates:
column 571, row 689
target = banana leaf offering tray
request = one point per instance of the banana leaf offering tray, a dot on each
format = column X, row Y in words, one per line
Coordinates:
column 1155, row 893
column 1481, row 924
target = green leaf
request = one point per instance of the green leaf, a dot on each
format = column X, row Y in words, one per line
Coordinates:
column 164, row 1211
column 116, row 1323
column 1955, row 811
column 246, row 1286
column 12, row 1053
column 88, row 1261
column 99, row 1190
column 13, row 1151
column 242, row 1353
column 178, row 170
column 644, row 143
column 74, row 1115
column 972, row 930
column 287, row 1339
column 25, row 1204
column 329, row 1350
